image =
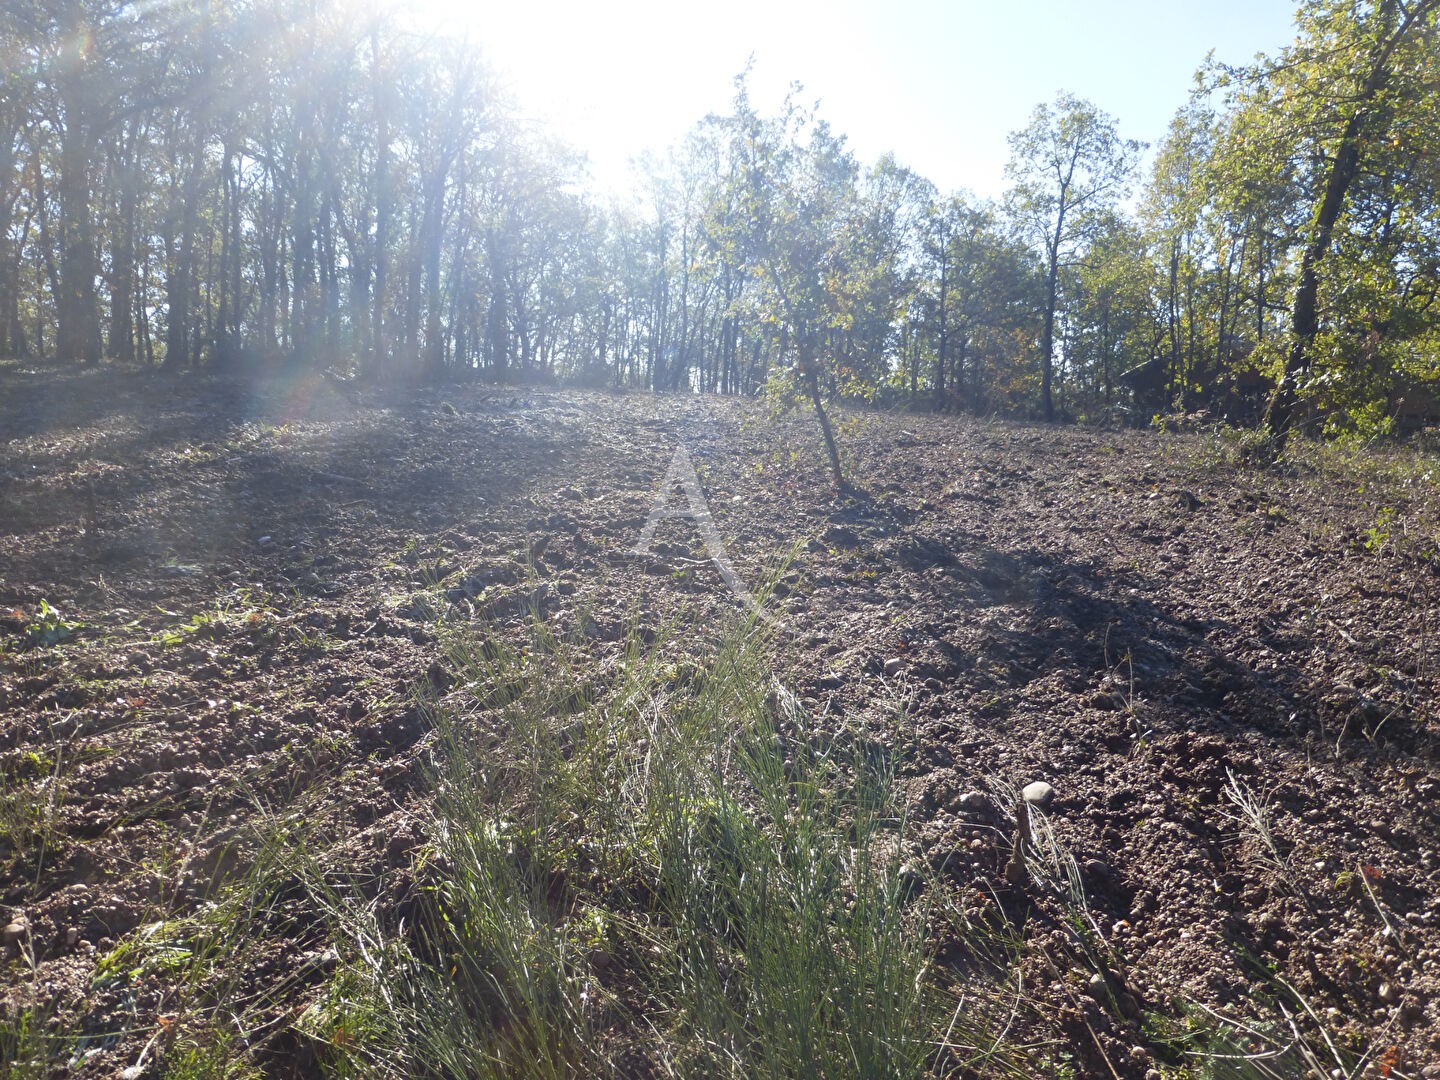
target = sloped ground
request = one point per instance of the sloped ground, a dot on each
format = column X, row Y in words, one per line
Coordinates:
column 1227, row 674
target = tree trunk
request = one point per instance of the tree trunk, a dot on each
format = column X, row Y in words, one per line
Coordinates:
column 121, row 346
column 944, row 325
column 303, row 307
column 77, row 316
column 497, row 331
column 9, row 271
column 380, row 345
column 432, row 235
column 178, row 287
column 1047, row 336
column 809, row 372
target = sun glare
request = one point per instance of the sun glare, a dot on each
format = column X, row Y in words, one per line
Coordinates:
column 618, row 80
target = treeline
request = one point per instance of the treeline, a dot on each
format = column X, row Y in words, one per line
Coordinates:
column 253, row 184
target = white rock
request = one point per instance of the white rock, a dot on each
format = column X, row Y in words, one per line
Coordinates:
column 1038, row 794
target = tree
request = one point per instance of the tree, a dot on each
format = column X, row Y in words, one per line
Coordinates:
column 799, row 182
column 887, row 259
column 1351, row 110
column 1069, row 167
column 17, row 88
column 977, row 301
column 1171, row 209
column 1110, row 320
column 79, row 44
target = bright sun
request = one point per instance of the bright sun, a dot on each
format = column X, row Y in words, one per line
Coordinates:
column 616, row 79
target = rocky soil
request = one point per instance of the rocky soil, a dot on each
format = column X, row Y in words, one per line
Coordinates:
column 216, row 600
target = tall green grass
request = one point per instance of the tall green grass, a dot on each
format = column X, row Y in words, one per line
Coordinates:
column 646, row 864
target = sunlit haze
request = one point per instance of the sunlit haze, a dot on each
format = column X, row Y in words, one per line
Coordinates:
column 937, row 83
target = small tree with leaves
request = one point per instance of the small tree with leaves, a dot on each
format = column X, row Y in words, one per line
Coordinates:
column 800, row 218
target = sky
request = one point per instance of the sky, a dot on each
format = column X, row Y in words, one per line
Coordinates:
column 938, row 83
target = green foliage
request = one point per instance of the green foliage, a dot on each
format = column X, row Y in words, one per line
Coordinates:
column 1109, row 319
column 1069, row 167
column 155, row 948
column 1288, row 1040
column 1337, row 134
column 1378, row 535
column 48, row 627
column 764, row 244
column 206, row 1053
column 31, row 794
column 978, row 294
column 31, row 1046
column 669, row 826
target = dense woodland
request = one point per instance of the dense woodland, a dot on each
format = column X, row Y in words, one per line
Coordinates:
column 246, row 185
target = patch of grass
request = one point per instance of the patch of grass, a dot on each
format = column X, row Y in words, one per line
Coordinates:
column 31, row 1046
column 1389, row 463
column 224, row 1005
column 32, row 790
column 639, row 859
column 1228, row 447
column 205, row 1053
column 1287, row 1040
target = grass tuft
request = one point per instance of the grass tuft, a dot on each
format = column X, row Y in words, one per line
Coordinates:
column 646, row 862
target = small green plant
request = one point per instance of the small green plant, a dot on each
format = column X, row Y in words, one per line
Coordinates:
column 49, row 627
column 206, row 1053
column 31, row 1046
column 207, row 956
column 31, row 793
column 1284, row 1038
column 158, row 947
column 1378, row 534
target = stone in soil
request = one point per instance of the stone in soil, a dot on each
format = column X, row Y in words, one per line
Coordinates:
column 1038, row 794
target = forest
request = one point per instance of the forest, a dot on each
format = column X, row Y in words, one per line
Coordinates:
column 242, row 186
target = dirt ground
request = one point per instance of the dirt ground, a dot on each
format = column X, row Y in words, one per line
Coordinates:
column 1228, row 674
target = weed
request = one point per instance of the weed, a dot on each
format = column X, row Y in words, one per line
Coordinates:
column 1052, row 868
column 1252, row 813
column 658, row 825
column 32, row 791
column 31, row 1046
column 205, row 1053
column 159, row 947
column 1285, row 1040
column 1129, row 696
column 1378, row 534
column 236, row 611
column 47, row 628
column 1229, row 447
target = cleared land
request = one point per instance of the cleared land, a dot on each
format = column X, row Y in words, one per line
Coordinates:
column 324, row 715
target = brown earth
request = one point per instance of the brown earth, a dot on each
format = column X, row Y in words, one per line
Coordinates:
column 248, row 581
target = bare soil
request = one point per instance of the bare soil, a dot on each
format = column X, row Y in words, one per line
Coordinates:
column 248, row 581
